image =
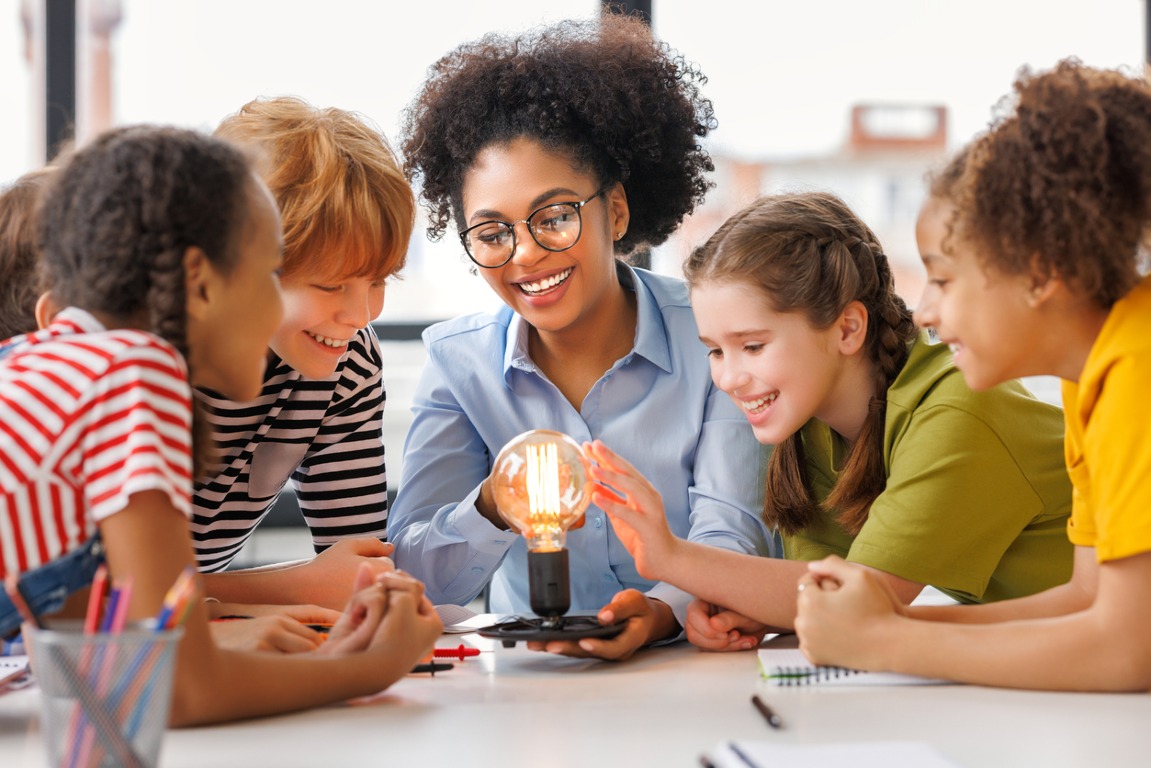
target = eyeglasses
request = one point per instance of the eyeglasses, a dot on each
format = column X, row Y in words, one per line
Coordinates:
column 555, row 227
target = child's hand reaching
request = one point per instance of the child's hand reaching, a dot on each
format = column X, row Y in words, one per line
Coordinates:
column 635, row 508
column 331, row 571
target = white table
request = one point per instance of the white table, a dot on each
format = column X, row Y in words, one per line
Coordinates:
column 664, row 707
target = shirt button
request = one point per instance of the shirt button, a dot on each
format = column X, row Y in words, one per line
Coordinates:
column 476, row 569
column 599, row 522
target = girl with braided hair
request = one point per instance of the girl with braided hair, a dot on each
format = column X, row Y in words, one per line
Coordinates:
column 881, row 453
column 162, row 248
column 1035, row 245
column 555, row 154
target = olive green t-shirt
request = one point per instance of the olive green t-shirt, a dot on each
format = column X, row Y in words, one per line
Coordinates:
column 977, row 496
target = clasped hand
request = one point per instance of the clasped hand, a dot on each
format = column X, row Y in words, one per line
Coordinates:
column 842, row 610
column 382, row 603
column 714, row 628
column 388, row 607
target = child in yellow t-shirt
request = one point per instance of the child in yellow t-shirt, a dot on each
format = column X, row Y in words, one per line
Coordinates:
column 1032, row 242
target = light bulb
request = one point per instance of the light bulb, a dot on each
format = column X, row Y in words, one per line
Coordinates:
column 540, row 487
column 540, row 483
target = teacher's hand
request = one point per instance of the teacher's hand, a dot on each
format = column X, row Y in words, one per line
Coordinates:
column 647, row 620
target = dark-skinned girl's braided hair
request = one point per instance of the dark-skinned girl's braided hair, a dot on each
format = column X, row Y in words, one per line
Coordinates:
column 119, row 216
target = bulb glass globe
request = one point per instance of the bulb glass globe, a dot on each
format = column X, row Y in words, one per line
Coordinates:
column 540, row 483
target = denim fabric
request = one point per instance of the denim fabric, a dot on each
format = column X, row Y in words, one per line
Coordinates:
column 48, row 587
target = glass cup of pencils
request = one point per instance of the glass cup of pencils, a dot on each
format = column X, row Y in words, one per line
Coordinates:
column 105, row 696
column 106, row 686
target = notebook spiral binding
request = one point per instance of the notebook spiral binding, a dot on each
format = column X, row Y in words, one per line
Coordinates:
column 786, row 676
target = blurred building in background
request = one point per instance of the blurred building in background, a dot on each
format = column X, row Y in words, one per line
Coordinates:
column 879, row 171
column 68, row 48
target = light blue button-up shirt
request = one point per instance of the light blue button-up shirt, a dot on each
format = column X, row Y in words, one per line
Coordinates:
column 656, row 407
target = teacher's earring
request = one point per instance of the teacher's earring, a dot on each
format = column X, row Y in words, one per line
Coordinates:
column 619, row 236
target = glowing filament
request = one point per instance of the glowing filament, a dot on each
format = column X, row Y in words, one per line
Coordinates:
column 540, row 485
column 543, row 485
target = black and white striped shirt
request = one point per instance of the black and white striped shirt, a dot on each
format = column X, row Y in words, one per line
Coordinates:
column 326, row 436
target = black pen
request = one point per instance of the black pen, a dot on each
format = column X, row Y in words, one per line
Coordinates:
column 433, row 667
column 768, row 713
column 735, row 750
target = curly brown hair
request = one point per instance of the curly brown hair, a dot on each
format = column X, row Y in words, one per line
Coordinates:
column 21, row 286
column 810, row 253
column 619, row 103
column 1060, row 185
column 120, row 214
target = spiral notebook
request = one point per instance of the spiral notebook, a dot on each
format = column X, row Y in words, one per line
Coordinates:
column 788, row 666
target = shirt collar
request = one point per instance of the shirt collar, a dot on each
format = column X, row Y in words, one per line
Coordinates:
column 651, row 340
column 76, row 320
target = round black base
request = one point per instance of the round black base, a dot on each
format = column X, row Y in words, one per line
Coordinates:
column 533, row 629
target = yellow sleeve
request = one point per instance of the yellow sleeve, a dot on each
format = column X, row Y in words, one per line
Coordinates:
column 1117, row 459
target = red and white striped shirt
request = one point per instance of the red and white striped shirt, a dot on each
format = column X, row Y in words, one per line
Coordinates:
column 88, row 417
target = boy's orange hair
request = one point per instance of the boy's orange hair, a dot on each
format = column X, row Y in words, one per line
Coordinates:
column 345, row 205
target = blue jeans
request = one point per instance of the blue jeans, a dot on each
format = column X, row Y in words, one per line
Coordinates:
column 47, row 588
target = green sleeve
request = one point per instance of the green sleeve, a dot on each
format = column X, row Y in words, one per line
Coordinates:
column 955, row 501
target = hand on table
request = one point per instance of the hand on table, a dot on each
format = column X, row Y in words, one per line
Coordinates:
column 713, row 628
column 647, row 620
column 390, row 610
column 843, row 610
column 304, row 614
column 278, row 633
